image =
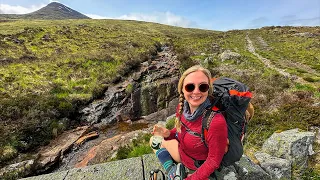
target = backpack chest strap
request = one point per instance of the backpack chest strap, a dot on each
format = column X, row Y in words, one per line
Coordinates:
column 190, row 131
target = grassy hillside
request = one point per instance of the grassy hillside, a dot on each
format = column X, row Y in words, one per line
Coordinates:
column 49, row 68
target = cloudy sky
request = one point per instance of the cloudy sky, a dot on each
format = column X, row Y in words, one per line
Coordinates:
column 205, row 14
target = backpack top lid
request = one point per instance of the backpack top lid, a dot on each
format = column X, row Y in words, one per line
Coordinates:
column 229, row 92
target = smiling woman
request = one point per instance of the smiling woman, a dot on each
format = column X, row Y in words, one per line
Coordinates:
column 195, row 90
column 181, row 144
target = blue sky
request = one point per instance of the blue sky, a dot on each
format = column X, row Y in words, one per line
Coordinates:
column 204, row 14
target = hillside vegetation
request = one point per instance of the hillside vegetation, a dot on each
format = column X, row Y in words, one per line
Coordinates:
column 49, row 68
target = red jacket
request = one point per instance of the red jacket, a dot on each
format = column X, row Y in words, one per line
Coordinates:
column 191, row 146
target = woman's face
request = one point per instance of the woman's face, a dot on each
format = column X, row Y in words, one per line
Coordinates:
column 195, row 97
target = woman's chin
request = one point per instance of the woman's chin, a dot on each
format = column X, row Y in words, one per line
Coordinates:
column 195, row 104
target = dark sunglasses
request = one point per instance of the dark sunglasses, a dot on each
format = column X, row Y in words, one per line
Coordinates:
column 202, row 87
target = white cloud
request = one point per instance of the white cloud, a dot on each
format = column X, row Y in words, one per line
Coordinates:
column 258, row 22
column 94, row 16
column 157, row 17
column 9, row 9
column 293, row 20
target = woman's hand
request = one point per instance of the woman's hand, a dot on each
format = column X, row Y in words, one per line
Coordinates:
column 160, row 131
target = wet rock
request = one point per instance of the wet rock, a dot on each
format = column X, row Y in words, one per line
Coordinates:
column 157, row 87
column 51, row 154
column 86, row 137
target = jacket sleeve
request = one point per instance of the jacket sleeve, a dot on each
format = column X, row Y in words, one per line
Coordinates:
column 217, row 142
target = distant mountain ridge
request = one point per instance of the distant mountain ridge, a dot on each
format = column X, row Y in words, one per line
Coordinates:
column 53, row 10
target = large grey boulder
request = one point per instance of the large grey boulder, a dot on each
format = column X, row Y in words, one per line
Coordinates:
column 293, row 145
column 277, row 168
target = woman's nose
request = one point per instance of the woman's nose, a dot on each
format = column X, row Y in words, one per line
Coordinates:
column 196, row 90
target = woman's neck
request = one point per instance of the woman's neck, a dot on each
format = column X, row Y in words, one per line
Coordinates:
column 192, row 109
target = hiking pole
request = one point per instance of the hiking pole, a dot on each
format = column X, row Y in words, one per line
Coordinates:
column 154, row 174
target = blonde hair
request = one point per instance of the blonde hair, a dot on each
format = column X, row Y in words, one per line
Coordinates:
column 180, row 86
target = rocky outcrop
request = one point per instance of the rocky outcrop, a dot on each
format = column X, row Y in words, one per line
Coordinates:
column 293, row 145
column 248, row 170
column 229, row 55
column 146, row 91
column 305, row 34
column 278, row 168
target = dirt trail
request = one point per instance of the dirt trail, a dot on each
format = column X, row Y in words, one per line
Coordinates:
column 268, row 63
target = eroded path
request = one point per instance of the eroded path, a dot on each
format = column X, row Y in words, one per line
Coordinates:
column 269, row 64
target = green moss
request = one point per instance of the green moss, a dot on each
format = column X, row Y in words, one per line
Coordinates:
column 170, row 123
column 129, row 89
column 138, row 147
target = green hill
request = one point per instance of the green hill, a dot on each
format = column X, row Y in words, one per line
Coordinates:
column 49, row 68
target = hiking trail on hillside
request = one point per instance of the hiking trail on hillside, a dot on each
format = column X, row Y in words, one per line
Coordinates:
column 269, row 64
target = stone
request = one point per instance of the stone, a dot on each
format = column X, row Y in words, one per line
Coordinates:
column 124, row 169
column 292, row 145
column 22, row 168
column 277, row 168
column 228, row 55
column 229, row 173
column 305, row 34
column 52, row 176
column 250, row 171
column 151, row 162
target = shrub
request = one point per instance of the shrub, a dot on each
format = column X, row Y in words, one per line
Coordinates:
column 311, row 79
column 7, row 152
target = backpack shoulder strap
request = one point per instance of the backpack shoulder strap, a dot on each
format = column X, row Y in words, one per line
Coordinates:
column 207, row 118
